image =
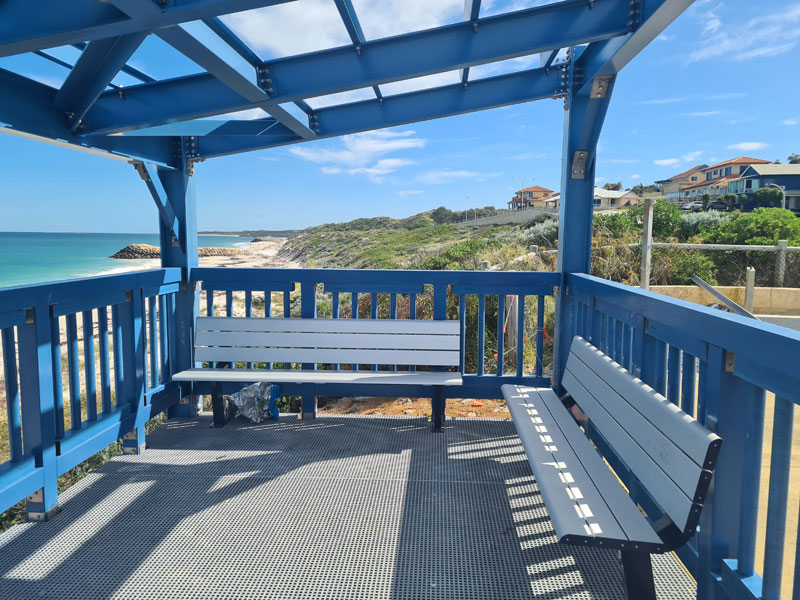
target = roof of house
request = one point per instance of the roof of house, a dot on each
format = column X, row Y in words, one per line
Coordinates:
column 535, row 188
column 772, row 169
column 694, row 169
column 741, row 160
column 710, row 182
column 604, row 193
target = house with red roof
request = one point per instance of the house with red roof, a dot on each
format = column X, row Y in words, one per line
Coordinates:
column 715, row 179
column 529, row 197
column 671, row 187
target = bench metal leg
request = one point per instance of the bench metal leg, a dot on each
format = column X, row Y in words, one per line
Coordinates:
column 309, row 407
column 437, row 408
column 217, row 405
column 638, row 576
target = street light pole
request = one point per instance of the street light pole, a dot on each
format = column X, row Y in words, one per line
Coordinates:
column 783, row 193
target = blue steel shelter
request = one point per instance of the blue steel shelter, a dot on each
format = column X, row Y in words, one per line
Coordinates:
column 162, row 128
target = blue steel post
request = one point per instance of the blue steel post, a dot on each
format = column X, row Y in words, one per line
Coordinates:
column 726, row 398
column 38, row 406
column 438, row 398
column 178, row 186
column 583, row 121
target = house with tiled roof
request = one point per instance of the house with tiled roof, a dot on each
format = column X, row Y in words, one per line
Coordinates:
column 671, row 187
column 529, row 197
column 714, row 180
column 756, row 177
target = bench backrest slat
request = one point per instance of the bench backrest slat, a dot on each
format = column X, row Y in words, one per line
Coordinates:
column 668, row 451
column 277, row 325
column 328, row 341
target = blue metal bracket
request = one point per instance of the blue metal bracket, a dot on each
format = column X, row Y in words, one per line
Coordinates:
column 166, row 213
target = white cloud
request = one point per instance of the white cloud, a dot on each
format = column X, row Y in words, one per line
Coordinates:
column 527, row 156
column 665, row 38
column 407, row 193
column 664, row 101
column 747, row 146
column 766, row 35
column 667, row 162
column 692, row 155
column 620, row 161
column 791, row 122
column 360, row 153
column 707, row 113
column 637, row 176
column 448, row 175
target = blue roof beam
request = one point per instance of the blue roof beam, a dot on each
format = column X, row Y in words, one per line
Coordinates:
column 326, row 72
column 28, row 26
column 97, row 65
column 400, row 109
column 27, row 107
column 648, row 21
column 127, row 69
column 350, row 20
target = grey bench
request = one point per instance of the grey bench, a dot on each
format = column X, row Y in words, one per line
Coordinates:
column 329, row 342
column 669, row 453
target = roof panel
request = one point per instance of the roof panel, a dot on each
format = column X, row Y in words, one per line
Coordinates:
column 289, row 29
column 396, row 17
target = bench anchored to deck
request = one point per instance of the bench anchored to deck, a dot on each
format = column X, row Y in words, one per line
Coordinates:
column 398, row 343
column 671, row 456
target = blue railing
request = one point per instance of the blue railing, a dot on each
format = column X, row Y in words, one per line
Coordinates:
column 718, row 367
column 66, row 398
column 373, row 294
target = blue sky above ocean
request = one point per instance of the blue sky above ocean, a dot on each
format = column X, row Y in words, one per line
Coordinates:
column 720, row 82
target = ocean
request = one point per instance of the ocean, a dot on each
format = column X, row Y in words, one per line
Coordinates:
column 27, row 258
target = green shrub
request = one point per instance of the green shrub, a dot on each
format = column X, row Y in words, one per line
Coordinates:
column 762, row 226
column 698, row 223
column 666, row 218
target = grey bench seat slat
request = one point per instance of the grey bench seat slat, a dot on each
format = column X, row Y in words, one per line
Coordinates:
column 424, row 378
column 277, row 325
column 327, row 356
column 698, row 442
column 573, row 478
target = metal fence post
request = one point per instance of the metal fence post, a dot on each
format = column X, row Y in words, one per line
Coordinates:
column 647, row 245
column 749, row 289
column 780, row 263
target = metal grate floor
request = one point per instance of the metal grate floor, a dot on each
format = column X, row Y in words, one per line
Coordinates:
column 340, row 507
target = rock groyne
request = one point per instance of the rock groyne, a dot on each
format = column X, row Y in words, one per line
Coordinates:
column 139, row 251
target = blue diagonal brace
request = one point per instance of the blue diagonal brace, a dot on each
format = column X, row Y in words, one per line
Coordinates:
column 98, row 64
column 149, row 175
column 185, row 43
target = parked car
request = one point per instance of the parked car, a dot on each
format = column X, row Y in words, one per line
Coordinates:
column 695, row 206
column 718, row 205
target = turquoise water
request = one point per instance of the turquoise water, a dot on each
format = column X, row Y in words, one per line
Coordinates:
column 39, row 257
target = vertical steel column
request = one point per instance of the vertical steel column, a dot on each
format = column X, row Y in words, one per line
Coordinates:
column 583, row 121
column 438, row 398
column 178, row 185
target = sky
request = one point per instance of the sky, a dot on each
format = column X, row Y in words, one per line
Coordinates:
column 720, row 82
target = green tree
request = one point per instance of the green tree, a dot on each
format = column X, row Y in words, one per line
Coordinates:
column 614, row 187
column 768, row 196
column 666, row 218
column 762, row 226
column 706, row 200
column 794, row 159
